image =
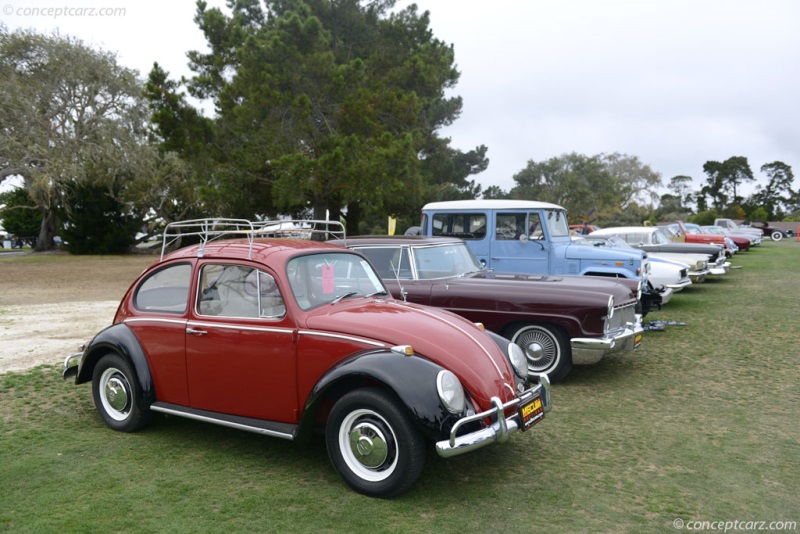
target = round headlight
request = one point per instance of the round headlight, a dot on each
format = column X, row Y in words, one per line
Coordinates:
column 610, row 306
column 518, row 360
column 450, row 392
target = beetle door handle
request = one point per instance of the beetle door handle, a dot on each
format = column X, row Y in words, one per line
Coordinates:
column 190, row 330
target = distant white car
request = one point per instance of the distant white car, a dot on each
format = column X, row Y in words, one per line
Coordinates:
column 663, row 272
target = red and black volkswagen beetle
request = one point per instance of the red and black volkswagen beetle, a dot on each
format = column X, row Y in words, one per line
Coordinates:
column 285, row 336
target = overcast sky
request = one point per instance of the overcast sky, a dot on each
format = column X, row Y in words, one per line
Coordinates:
column 674, row 82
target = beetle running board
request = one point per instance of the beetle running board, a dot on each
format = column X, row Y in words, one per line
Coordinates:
column 248, row 424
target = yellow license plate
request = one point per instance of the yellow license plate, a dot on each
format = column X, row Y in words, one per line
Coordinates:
column 531, row 412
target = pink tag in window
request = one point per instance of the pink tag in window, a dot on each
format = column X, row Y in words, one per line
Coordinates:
column 328, row 284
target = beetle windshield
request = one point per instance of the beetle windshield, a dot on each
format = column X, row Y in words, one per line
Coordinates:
column 318, row 279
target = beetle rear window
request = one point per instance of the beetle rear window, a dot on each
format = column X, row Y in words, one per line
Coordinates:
column 166, row 290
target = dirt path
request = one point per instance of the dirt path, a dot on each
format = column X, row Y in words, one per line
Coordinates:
column 51, row 304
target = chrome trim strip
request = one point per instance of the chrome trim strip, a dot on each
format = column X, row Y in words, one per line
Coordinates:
column 340, row 336
column 154, row 320
column 233, row 326
column 222, row 422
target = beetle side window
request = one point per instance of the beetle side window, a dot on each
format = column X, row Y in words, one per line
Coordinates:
column 238, row 291
column 166, row 290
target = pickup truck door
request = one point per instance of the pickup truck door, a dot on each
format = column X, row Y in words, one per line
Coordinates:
column 519, row 243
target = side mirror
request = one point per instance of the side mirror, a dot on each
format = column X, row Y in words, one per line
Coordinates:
column 523, row 238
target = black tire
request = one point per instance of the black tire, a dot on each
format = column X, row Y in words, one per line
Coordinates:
column 372, row 443
column 776, row 235
column 116, row 394
column 546, row 347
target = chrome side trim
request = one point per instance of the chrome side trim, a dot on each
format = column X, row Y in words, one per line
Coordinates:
column 154, row 320
column 233, row 326
column 341, row 336
column 221, row 422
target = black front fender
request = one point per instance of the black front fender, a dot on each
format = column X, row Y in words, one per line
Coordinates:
column 411, row 378
column 120, row 339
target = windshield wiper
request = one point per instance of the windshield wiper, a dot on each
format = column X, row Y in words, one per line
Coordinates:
column 344, row 296
column 381, row 292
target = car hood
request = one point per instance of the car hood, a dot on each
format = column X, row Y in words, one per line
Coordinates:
column 517, row 285
column 582, row 252
column 443, row 337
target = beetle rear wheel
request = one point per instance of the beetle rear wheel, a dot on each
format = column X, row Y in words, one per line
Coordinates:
column 116, row 392
column 546, row 348
column 372, row 443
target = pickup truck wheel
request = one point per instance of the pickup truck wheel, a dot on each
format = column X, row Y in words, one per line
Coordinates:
column 546, row 348
column 116, row 392
column 776, row 235
column 372, row 443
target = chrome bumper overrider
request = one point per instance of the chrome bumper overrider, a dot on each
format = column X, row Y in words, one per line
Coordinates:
column 501, row 426
column 71, row 365
column 589, row 350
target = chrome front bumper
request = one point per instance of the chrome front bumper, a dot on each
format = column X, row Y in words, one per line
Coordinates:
column 698, row 276
column 501, row 426
column 589, row 350
column 680, row 285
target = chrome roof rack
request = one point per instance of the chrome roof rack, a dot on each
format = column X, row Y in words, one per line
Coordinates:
column 212, row 229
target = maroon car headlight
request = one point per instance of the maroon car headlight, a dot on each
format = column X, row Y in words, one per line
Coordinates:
column 451, row 392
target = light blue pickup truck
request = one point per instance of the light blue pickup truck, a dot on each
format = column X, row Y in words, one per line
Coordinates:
column 533, row 237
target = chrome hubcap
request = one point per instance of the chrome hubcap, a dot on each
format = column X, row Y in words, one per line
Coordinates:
column 368, row 445
column 117, row 394
column 540, row 348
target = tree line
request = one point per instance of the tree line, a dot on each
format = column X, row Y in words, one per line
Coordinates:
column 320, row 109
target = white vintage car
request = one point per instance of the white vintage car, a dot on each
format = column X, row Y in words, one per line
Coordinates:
column 663, row 272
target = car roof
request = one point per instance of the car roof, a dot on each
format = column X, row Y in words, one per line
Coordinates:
column 261, row 250
column 398, row 240
column 625, row 230
column 489, row 205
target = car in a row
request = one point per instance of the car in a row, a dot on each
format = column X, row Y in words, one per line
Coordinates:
column 292, row 337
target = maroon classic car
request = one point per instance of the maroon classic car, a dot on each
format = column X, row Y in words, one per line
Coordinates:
column 284, row 337
column 558, row 320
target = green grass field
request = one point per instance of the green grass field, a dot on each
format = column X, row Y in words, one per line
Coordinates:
column 702, row 423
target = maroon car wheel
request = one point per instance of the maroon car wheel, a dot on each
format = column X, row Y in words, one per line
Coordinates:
column 546, row 348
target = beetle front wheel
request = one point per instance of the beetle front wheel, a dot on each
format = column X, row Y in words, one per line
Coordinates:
column 372, row 443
